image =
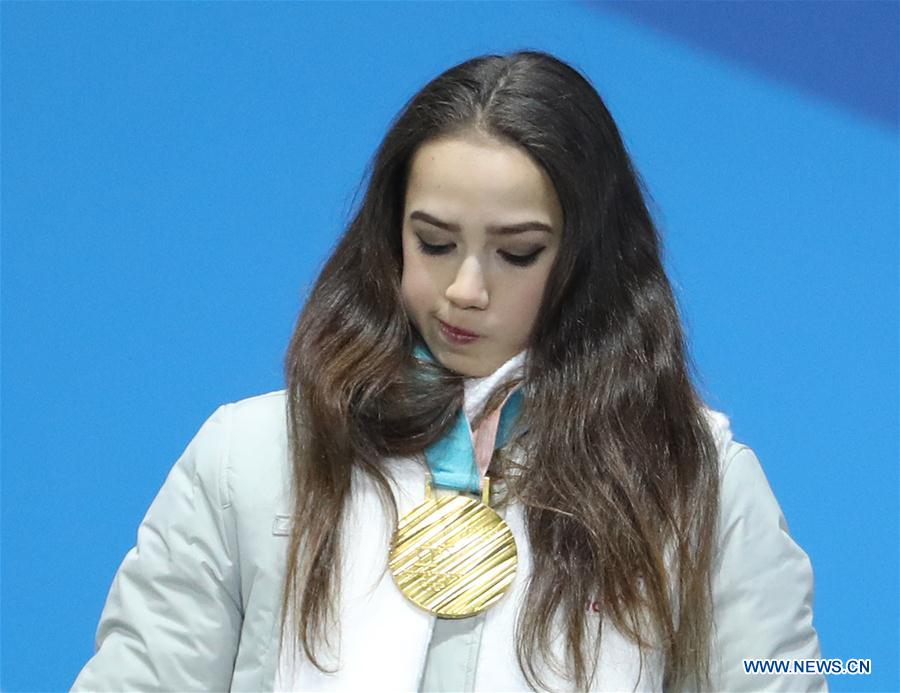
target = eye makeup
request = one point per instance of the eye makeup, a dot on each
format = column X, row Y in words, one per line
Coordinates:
column 511, row 258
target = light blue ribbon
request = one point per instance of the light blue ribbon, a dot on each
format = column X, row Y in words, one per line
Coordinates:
column 452, row 458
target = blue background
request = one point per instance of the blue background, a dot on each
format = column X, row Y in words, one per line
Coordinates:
column 174, row 175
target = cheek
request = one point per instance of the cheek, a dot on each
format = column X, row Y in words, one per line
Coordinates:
column 414, row 285
column 526, row 303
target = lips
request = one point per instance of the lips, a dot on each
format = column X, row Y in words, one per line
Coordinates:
column 457, row 330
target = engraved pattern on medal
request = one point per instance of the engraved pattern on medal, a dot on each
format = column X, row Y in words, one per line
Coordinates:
column 453, row 556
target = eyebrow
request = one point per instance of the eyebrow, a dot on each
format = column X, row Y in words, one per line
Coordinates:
column 504, row 230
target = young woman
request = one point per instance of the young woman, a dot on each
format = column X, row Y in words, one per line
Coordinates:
column 489, row 469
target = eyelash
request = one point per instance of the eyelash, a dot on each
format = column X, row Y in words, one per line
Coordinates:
column 517, row 260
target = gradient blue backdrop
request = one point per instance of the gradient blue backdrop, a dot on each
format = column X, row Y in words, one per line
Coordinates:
column 173, row 176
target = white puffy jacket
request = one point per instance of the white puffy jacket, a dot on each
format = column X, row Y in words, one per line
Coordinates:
column 195, row 604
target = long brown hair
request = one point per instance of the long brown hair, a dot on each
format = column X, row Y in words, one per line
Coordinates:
column 619, row 478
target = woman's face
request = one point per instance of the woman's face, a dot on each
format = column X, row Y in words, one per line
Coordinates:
column 481, row 230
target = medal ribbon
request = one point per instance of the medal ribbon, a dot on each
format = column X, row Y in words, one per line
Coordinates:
column 461, row 458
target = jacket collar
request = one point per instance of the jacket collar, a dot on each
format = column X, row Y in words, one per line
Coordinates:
column 478, row 390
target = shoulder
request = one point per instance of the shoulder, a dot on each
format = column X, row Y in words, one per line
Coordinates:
column 743, row 483
column 254, row 425
column 257, row 434
column 738, row 464
column 256, row 421
column 260, row 414
column 744, row 490
column 720, row 427
column 241, row 450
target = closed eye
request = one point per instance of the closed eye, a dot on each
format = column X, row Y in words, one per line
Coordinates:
column 432, row 249
column 521, row 260
column 512, row 258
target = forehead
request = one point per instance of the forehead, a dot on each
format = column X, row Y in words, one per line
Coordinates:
column 459, row 174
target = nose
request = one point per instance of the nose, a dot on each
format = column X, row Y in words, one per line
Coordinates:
column 468, row 289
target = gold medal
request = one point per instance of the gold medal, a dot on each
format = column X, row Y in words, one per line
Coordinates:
column 453, row 556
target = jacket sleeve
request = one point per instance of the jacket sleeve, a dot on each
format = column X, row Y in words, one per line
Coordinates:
column 762, row 586
column 173, row 615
